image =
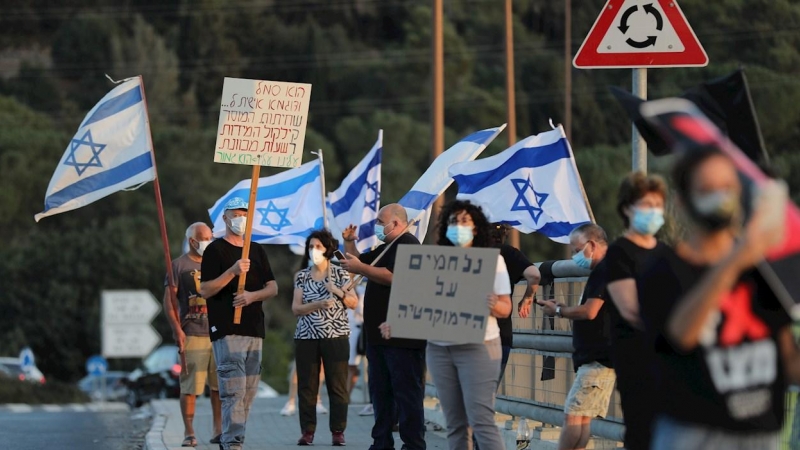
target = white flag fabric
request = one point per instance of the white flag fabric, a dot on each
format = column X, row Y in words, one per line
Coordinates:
column 110, row 152
column 532, row 186
column 419, row 200
column 288, row 206
column 358, row 198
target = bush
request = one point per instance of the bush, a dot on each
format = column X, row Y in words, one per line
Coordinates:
column 52, row 392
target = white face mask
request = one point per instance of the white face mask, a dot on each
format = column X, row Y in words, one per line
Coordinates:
column 316, row 257
column 237, row 225
column 201, row 247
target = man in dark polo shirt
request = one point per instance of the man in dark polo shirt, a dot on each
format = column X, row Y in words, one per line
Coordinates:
column 396, row 366
column 591, row 335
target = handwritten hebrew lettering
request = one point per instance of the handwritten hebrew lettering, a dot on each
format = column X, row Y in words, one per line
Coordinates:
column 477, row 319
column 469, row 264
column 466, row 316
column 417, row 312
column 453, row 289
column 439, row 262
column 430, row 313
column 480, row 264
column 415, row 262
column 452, row 263
column 440, row 284
column 437, row 316
column 453, row 319
column 402, row 311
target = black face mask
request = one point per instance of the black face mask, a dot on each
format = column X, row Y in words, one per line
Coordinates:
column 714, row 211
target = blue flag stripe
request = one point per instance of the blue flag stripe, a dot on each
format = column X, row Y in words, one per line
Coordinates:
column 525, row 157
column 100, row 180
column 367, row 230
column 115, row 105
column 283, row 189
column 480, row 137
column 551, row 229
column 354, row 190
column 417, row 200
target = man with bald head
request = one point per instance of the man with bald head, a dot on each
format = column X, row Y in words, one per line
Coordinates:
column 396, row 366
column 187, row 314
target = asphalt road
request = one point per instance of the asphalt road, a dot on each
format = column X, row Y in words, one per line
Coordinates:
column 69, row 430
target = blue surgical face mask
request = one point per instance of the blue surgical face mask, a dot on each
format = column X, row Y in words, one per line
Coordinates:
column 581, row 260
column 459, row 235
column 379, row 232
column 648, row 221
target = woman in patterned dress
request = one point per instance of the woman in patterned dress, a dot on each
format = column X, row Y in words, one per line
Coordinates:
column 322, row 336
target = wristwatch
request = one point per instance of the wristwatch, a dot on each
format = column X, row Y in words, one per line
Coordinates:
column 558, row 311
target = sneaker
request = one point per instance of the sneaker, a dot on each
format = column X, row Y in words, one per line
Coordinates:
column 338, row 439
column 367, row 411
column 306, row 439
column 321, row 409
column 216, row 439
column 288, row 409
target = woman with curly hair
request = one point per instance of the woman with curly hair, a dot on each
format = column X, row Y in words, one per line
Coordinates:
column 466, row 375
column 322, row 337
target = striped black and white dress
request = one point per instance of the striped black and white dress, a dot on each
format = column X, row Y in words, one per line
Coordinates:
column 323, row 323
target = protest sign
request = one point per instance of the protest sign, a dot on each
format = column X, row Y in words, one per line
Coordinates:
column 262, row 123
column 439, row 293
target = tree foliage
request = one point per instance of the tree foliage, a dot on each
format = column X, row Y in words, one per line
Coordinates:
column 369, row 63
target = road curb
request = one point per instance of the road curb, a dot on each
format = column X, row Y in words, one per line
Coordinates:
column 154, row 440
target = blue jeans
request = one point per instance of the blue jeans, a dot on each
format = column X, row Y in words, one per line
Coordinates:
column 239, row 371
column 397, row 377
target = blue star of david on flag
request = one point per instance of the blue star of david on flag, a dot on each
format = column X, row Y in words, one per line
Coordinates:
column 376, row 196
column 95, row 148
column 282, row 221
column 522, row 204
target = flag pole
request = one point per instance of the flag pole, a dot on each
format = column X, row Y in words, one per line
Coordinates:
column 162, row 223
column 248, row 234
column 322, row 182
column 578, row 174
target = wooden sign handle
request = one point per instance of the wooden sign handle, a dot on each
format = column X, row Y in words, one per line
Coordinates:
column 248, row 232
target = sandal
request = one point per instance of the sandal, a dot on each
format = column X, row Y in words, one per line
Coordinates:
column 189, row 441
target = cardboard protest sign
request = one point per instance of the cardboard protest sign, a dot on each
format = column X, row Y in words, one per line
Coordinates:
column 439, row 293
column 262, row 123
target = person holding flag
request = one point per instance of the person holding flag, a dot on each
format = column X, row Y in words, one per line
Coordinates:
column 237, row 347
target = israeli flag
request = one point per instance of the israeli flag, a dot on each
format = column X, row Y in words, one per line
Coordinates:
column 532, row 186
column 288, row 206
column 419, row 200
column 110, row 152
column 358, row 198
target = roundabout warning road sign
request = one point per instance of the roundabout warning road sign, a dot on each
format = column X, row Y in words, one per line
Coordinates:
column 640, row 34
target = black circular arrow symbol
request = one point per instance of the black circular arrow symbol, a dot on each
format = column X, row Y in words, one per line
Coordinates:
column 648, row 9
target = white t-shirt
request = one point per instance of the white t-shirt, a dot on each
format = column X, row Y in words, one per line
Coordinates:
column 502, row 286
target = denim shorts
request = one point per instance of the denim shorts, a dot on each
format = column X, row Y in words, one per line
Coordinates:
column 591, row 391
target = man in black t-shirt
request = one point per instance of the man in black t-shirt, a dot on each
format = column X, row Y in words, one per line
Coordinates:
column 396, row 366
column 519, row 267
column 594, row 382
column 237, row 347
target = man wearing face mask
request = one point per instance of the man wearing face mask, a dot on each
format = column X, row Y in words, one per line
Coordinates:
column 396, row 366
column 237, row 347
column 594, row 381
column 640, row 205
column 187, row 315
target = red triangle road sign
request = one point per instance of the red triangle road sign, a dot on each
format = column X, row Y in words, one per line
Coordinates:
column 640, row 34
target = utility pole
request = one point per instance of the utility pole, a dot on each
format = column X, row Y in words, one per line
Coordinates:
column 511, row 102
column 437, row 109
column 568, row 69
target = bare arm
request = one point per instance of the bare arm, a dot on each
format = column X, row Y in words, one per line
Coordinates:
column 533, row 277
column 790, row 354
column 269, row 291
column 171, row 309
column 625, row 297
column 211, row 288
column 586, row 311
column 380, row 275
column 499, row 305
column 303, row 309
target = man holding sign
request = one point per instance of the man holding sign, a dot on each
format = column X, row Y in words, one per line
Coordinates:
column 237, row 347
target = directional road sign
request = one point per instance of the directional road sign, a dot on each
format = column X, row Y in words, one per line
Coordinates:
column 96, row 365
column 26, row 359
column 640, row 34
column 126, row 317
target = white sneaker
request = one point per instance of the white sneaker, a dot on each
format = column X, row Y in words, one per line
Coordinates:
column 321, row 409
column 367, row 411
column 288, row 409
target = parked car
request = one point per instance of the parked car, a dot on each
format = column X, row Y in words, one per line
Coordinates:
column 116, row 389
column 157, row 377
column 12, row 366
